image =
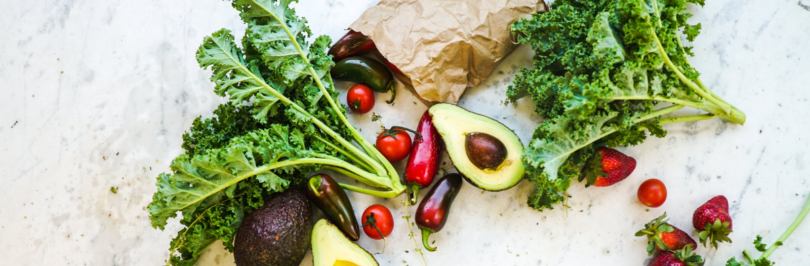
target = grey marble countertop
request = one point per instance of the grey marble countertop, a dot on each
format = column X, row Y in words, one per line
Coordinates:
column 97, row 93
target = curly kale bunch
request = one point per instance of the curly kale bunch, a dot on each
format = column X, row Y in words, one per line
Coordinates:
column 601, row 68
column 283, row 123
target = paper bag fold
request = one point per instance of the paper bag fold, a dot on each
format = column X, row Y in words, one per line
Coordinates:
column 444, row 46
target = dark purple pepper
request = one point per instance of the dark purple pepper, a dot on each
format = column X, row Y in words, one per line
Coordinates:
column 435, row 207
column 332, row 200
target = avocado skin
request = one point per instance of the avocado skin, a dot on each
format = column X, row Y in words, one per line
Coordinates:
column 276, row 234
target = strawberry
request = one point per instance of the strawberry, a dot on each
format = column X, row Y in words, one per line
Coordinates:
column 615, row 167
column 713, row 221
column 662, row 236
column 682, row 257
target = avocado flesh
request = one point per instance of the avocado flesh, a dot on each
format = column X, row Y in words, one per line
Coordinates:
column 331, row 248
column 454, row 123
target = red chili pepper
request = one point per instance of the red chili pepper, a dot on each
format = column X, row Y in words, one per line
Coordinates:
column 355, row 43
column 435, row 207
column 425, row 156
column 351, row 44
column 390, row 66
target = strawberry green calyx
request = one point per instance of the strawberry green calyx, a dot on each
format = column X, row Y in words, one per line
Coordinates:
column 688, row 257
column 714, row 233
column 652, row 230
column 662, row 236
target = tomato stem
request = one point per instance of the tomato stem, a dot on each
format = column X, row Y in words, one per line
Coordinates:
column 396, row 129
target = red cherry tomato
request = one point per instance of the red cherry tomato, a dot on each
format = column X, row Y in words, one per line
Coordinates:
column 652, row 193
column 360, row 98
column 380, row 217
column 394, row 144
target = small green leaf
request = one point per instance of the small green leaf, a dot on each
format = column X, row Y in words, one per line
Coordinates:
column 759, row 245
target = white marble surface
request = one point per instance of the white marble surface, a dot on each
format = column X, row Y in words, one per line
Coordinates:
column 96, row 94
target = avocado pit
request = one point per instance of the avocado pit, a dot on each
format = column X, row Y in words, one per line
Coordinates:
column 484, row 151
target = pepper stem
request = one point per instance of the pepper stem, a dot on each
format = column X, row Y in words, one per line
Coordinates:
column 414, row 193
column 314, row 184
column 392, row 88
column 425, row 235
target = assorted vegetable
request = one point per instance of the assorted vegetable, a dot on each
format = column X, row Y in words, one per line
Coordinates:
column 325, row 193
column 331, row 248
column 278, row 233
column 652, row 193
column 682, row 257
column 355, row 43
column 360, row 99
column 661, row 236
column 713, row 221
column 484, row 151
column 366, row 71
column 352, row 44
column 394, row 144
column 435, row 207
column 613, row 167
column 423, row 164
column 293, row 126
column 378, row 222
column 600, row 69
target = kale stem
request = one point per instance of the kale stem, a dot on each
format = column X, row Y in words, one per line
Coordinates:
column 363, row 179
column 689, row 83
column 659, row 112
column 372, row 192
column 378, row 158
column 697, row 80
column 315, row 120
column 736, row 116
column 790, row 229
column 686, row 118
column 359, row 162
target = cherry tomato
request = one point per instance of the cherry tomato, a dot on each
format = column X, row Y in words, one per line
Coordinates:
column 380, row 217
column 652, row 193
column 360, row 98
column 394, row 144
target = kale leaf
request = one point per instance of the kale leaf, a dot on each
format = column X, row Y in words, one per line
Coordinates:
column 282, row 123
column 600, row 69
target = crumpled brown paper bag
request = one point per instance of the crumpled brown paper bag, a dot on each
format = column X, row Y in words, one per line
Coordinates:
column 444, row 46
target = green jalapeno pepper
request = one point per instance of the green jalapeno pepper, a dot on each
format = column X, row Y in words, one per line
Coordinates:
column 365, row 71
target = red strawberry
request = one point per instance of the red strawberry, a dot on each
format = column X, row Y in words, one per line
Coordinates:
column 713, row 221
column 662, row 236
column 616, row 165
column 683, row 257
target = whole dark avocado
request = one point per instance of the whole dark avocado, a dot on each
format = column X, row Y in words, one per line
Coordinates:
column 276, row 234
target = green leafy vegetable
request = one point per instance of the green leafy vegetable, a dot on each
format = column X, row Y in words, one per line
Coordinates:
column 767, row 251
column 283, row 122
column 600, row 69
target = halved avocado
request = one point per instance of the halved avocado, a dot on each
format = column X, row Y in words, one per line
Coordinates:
column 484, row 151
column 331, row 248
